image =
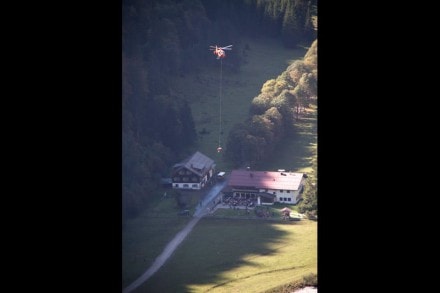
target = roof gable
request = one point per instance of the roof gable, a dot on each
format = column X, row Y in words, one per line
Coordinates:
column 265, row 179
column 198, row 163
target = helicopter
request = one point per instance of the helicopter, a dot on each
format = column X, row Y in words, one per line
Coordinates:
column 219, row 51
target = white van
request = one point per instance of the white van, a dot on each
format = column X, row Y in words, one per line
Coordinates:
column 221, row 175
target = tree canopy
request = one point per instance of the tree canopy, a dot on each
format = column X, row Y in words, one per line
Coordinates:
column 273, row 111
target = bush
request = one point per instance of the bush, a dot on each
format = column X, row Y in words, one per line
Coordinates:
column 311, row 215
column 310, row 280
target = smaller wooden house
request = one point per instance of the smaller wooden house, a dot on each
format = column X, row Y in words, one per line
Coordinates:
column 193, row 173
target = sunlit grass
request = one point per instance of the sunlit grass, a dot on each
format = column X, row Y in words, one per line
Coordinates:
column 299, row 148
column 245, row 256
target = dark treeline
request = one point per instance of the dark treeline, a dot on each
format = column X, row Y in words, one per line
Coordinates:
column 163, row 39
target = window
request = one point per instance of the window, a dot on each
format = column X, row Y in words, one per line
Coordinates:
column 185, row 185
column 281, row 191
column 195, row 185
column 288, row 199
column 176, row 185
column 281, row 199
column 288, row 191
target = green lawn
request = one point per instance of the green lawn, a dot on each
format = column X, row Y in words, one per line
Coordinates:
column 145, row 237
column 299, row 148
column 223, row 255
column 273, row 211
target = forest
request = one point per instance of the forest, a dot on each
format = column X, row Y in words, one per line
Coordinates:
column 161, row 41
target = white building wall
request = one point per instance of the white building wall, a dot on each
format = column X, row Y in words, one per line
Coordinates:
column 283, row 197
column 192, row 185
column 195, row 186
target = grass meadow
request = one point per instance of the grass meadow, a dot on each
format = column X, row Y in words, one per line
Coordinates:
column 145, row 237
column 222, row 254
column 299, row 148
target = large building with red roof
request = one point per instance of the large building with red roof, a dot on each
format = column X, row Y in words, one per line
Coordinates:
column 266, row 186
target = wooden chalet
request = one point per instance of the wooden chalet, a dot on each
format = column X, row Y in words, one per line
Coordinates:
column 193, row 173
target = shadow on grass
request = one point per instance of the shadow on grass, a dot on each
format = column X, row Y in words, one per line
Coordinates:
column 145, row 237
column 200, row 262
column 143, row 243
column 265, row 272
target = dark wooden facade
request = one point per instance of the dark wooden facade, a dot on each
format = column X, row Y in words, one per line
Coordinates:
column 193, row 173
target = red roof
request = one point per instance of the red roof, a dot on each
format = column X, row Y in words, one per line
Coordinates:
column 265, row 179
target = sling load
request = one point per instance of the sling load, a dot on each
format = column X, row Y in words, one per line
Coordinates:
column 220, row 53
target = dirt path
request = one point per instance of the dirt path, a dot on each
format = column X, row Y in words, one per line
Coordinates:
column 173, row 244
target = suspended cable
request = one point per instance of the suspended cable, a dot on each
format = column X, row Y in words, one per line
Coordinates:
column 220, row 53
column 220, row 132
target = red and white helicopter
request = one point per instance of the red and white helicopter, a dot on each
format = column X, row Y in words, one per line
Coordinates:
column 219, row 51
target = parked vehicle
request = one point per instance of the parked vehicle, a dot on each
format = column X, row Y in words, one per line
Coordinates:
column 221, row 175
